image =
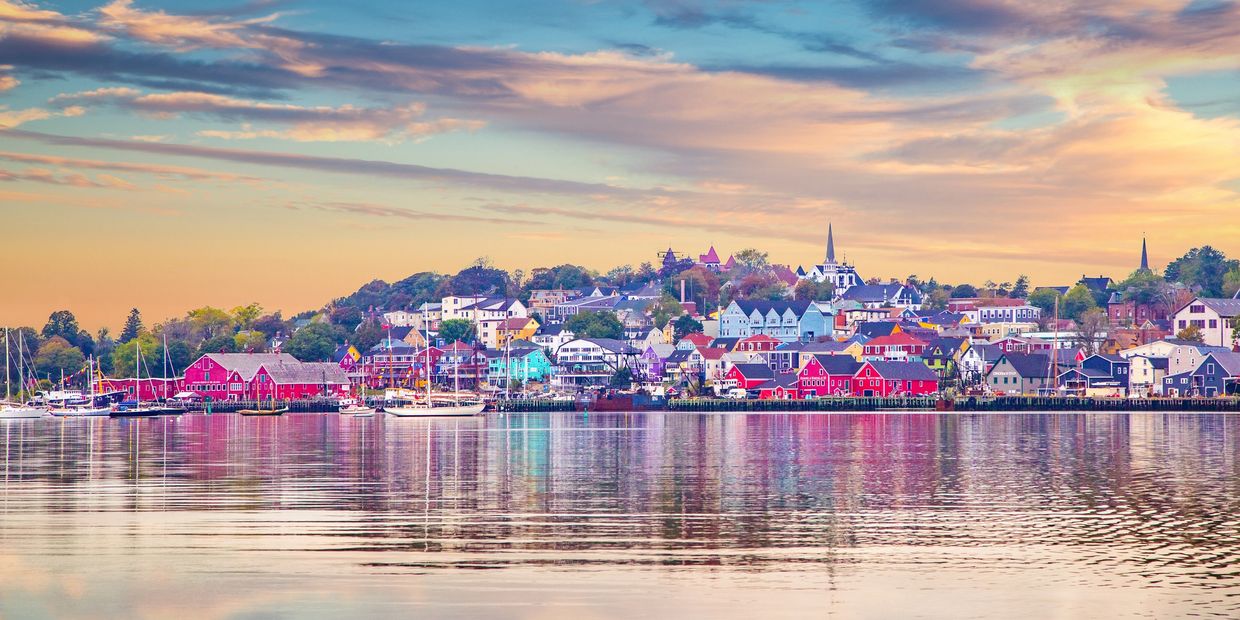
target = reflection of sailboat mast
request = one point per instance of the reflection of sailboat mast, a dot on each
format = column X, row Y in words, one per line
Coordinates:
column 426, row 513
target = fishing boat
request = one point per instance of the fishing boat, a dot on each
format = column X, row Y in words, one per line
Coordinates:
column 354, row 406
column 429, row 407
column 273, row 411
column 89, row 405
column 10, row 410
column 134, row 408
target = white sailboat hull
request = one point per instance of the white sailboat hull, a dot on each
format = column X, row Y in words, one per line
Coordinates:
column 81, row 411
column 21, row 413
column 435, row 412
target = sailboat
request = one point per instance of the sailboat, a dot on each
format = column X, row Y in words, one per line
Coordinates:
column 88, row 407
column 428, row 408
column 135, row 408
column 10, row 410
column 274, row 411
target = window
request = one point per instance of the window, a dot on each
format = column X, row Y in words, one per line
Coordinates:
column 1197, row 308
column 1213, row 323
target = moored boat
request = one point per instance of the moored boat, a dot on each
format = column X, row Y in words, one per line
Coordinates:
column 421, row 409
column 19, row 411
column 263, row 412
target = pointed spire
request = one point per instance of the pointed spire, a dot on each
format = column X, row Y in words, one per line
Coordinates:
column 830, row 245
column 1145, row 257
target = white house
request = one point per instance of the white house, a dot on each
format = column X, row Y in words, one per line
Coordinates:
column 584, row 362
column 1213, row 315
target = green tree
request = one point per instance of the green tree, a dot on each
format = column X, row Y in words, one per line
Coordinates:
column 479, row 279
column 936, row 299
column 1144, row 287
column 595, row 325
column 701, row 287
column 622, row 379
column 62, row 323
column 1203, row 267
column 815, row 291
column 1093, row 328
column 270, row 324
column 223, row 343
column 750, row 259
column 104, row 345
column 1077, row 302
column 1020, row 290
column 1231, row 282
column 244, row 316
column 133, row 326
column 452, row 330
column 684, row 326
column 1191, row 333
column 208, row 322
column 1044, row 298
column 152, row 363
column 314, row 343
column 561, row 276
column 56, row 356
column 367, row 335
column 251, row 341
column 665, row 309
column 963, row 291
column 180, row 356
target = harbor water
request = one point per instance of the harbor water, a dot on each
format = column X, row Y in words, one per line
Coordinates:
column 609, row 515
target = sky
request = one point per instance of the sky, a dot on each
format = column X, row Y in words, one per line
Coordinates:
column 169, row 155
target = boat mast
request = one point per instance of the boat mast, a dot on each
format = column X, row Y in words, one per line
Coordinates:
column 165, row 386
column 426, row 342
column 137, row 374
column 1055, row 351
column 21, row 369
column 8, row 394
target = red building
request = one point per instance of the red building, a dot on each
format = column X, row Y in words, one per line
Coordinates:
column 749, row 376
column 760, row 343
column 827, row 375
column 879, row 378
column 782, row 387
column 897, row 346
column 147, row 388
column 247, row 376
column 698, row 339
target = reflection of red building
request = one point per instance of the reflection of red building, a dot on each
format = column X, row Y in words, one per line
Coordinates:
column 877, row 378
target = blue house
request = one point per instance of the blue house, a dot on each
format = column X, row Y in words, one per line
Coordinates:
column 1218, row 373
column 789, row 321
column 523, row 366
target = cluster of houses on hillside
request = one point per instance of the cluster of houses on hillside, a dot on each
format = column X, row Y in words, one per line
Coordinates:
column 868, row 339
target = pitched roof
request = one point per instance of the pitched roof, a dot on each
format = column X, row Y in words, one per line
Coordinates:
column 246, row 364
column 697, row 338
column 710, row 257
column 904, row 371
column 877, row 292
column 1029, row 365
column 306, row 373
column 1223, row 306
column 613, row 345
column 748, row 306
column 1229, row 360
column 711, row 353
column 780, row 380
column 725, row 343
column 874, row 329
column 897, row 339
column 831, row 346
column 838, row 364
column 755, row 371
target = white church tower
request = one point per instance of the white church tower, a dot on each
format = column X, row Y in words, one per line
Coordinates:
column 841, row 274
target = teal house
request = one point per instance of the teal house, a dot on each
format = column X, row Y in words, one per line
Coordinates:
column 523, row 366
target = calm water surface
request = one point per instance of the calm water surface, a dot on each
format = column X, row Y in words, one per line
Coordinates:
column 623, row 515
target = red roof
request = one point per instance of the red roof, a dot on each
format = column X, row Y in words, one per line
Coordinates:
column 731, row 262
column 784, row 274
column 900, row 338
column 710, row 257
column 698, row 339
column 761, row 338
column 458, row 346
column 712, row 353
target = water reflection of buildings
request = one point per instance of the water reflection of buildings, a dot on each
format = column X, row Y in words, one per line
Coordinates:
column 1116, row 491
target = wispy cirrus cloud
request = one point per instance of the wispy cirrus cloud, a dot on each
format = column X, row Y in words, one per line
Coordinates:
column 159, row 170
column 305, row 123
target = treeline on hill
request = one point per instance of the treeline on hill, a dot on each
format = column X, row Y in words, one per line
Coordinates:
column 62, row 345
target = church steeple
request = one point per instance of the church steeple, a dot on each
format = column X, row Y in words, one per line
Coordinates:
column 1145, row 257
column 830, row 245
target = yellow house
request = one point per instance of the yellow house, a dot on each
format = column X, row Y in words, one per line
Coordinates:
column 515, row 328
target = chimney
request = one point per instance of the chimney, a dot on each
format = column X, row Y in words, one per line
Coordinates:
column 682, row 291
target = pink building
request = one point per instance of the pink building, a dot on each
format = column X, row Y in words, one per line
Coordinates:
column 247, row 376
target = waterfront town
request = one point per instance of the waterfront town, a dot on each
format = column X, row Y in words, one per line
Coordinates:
column 691, row 325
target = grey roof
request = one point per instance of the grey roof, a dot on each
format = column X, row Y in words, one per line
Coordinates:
column 1230, row 361
column 748, row 306
column 988, row 352
column 1029, row 365
column 876, row 328
column 825, row 347
column 246, row 364
column 678, row 356
column 306, row 373
column 755, row 371
column 780, row 380
column 724, row 343
column 904, row 371
column 662, row 349
column 1223, row 306
column 877, row 292
column 613, row 345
